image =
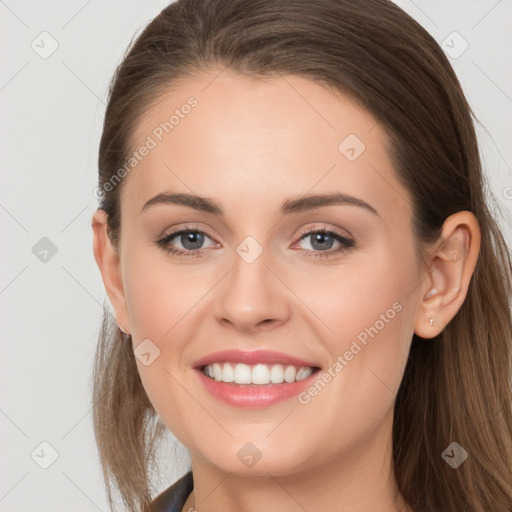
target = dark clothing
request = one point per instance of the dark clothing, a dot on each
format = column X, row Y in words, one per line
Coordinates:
column 174, row 497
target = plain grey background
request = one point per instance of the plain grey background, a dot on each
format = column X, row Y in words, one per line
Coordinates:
column 52, row 109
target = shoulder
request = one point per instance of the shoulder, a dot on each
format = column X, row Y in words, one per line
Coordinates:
column 173, row 498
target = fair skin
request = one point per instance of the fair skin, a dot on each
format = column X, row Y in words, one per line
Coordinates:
column 249, row 145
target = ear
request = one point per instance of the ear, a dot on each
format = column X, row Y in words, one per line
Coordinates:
column 451, row 265
column 109, row 263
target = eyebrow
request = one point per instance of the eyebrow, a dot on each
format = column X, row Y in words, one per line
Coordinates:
column 294, row 205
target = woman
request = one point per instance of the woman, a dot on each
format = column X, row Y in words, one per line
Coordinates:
column 309, row 289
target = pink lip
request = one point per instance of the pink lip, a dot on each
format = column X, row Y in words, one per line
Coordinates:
column 252, row 357
column 252, row 395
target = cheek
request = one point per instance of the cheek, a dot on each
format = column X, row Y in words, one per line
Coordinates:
column 364, row 313
column 365, row 327
column 159, row 302
column 159, row 294
column 163, row 301
column 352, row 296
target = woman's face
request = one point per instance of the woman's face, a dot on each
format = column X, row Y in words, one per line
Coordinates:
column 252, row 280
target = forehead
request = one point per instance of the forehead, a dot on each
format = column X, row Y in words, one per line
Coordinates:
column 240, row 106
column 233, row 136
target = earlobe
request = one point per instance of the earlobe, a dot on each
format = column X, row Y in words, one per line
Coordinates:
column 452, row 263
column 109, row 263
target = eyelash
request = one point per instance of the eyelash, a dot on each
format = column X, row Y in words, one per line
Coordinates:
column 346, row 243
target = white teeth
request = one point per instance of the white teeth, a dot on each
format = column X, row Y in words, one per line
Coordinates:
column 260, row 374
column 242, row 374
column 217, row 371
column 276, row 374
column 303, row 373
column 289, row 374
column 228, row 374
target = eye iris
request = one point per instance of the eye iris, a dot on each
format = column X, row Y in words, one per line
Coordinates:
column 194, row 238
column 321, row 237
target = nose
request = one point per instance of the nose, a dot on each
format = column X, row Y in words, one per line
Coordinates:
column 252, row 297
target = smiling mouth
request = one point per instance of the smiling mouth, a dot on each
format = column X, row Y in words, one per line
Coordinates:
column 258, row 374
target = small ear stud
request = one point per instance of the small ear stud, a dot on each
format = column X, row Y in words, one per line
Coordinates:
column 431, row 322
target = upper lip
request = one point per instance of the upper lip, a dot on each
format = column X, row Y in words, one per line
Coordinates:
column 252, row 357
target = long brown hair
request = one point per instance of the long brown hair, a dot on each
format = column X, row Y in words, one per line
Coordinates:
column 456, row 387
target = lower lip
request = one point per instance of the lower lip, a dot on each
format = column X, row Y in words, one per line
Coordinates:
column 253, row 395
